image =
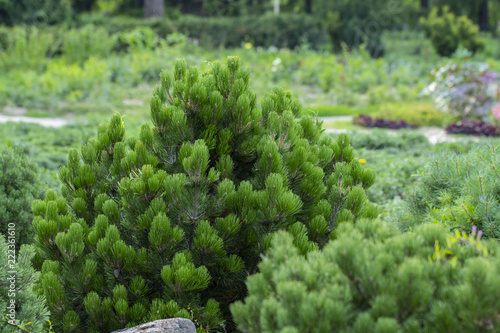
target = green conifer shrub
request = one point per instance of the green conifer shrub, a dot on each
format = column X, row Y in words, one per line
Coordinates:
column 170, row 223
column 373, row 278
column 19, row 186
column 29, row 311
column 447, row 32
column 457, row 191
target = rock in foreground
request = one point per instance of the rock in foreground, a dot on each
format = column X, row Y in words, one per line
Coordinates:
column 172, row 325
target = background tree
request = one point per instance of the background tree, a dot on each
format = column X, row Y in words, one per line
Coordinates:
column 355, row 23
column 484, row 15
column 447, row 32
column 154, row 8
column 35, row 12
column 80, row 6
column 477, row 11
column 308, row 6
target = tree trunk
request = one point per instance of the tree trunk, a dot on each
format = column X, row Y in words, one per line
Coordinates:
column 424, row 4
column 483, row 16
column 187, row 7
column 201, row 11
column 83, row 5
column 154, row 8
column 308, row 6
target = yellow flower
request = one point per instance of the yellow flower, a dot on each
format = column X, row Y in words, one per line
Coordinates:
column 248, row 46
column 362, row 161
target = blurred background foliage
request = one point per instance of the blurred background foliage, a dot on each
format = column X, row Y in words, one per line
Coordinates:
column 86, row 59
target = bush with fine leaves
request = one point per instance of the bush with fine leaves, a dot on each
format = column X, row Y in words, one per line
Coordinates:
column 456, row 191
column 448, row 32
column 19, row 185
column 373, row 278
column 169, row 224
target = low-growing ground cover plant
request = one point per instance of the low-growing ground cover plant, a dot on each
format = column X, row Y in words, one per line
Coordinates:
column 46, row 147
column 457, row 191
column 373, row 278
column 19, row 186
column 339, row 110
column 379, row 139
column 170, row 223
column 471, row 127
column 396, row 157
column 368, row 121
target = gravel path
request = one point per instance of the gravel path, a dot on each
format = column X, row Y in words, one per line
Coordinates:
column 47, row 122
column 434, row 134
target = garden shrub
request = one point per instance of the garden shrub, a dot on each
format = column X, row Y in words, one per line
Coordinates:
column 447, row 32
column 420, row 114
column 88, row 41
column 468, row 33
column 120, row 24
column 60, row 81
column 25, row 48
column 284, row 30
column 170, row 223
column 380, row 93
column 141, row 38
column 379, row 139
column 372, row 278
column 465, row 90
column 19, row 185
column 29, row 310
column 457, row 191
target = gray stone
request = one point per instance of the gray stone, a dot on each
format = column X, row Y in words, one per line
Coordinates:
column 172, row 325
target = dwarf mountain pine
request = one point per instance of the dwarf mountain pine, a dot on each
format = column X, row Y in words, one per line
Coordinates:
column 373, row 278
column 170, row 224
